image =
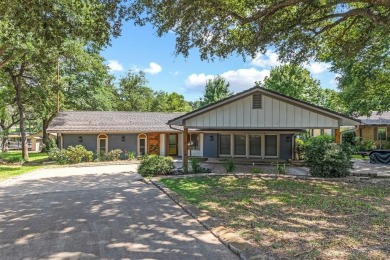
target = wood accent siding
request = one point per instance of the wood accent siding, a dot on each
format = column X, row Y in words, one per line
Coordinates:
column 154, row 141
column 274, row 114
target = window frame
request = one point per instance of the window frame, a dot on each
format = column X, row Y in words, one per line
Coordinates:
column 377, row 133
column 189, row 141
column 140, row 137
column 102, row 137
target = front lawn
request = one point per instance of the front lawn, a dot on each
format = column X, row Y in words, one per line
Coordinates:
column 33, row 156
column 298, row 219
column 7, row 172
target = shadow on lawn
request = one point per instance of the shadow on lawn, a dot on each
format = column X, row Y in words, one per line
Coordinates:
column 298, row 219
column 110, row 216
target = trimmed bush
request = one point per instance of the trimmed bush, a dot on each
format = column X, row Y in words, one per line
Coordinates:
column 56, row 155
column 152, row 165
column 77, row 154
column 327, row 159
column 113, row 155
column 71, row 155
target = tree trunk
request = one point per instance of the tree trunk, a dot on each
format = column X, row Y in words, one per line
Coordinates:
column 16, row 80
column 4, row 144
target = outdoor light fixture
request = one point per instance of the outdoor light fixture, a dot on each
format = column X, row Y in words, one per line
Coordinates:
column 211, row 138
column 80, row 139
column 288, row 139
column 123, row 138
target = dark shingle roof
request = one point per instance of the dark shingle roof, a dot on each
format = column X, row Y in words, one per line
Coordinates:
column 376, row 118
column 106, row 121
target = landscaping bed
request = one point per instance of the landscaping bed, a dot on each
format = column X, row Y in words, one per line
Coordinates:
column 297, row 218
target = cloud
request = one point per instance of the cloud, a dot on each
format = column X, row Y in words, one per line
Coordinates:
column 174, row 73
column 268, row 59
column 239, row 80
column 153, row 69
column 317, row 67
column 114, row 66
column 335, row 80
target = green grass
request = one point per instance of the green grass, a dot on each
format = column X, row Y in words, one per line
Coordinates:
column 7, row 172
column 358, row 156
column 290, row 217
column 33, row 156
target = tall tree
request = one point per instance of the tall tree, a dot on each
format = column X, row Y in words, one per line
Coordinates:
column 32, row 34
column 170, row 102
column 134, row 94
column 215, row 90
column 9, row 116
column 298, row 29
column 294, row 81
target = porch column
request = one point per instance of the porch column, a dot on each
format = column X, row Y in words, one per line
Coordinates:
column 185, row 147
column 337, row 137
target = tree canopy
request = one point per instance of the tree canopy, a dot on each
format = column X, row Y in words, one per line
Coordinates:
column 298, row 29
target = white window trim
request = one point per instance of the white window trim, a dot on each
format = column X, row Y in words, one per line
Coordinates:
column 98, row 142
column 139, row 145
column 189, row 139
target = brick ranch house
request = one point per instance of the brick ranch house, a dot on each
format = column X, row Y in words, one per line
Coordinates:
column 256, row 123
column 375, row 127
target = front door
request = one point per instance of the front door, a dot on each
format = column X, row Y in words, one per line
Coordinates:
column 172, row 144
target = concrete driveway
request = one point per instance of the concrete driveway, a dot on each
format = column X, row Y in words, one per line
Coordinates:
column 103, row 212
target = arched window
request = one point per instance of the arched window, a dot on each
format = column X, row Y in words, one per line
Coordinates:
column 102, row 143
column 142, row 144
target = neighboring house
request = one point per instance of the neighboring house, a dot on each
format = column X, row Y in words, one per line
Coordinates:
column 34, row 141
column 375, row 127
column 255, row 123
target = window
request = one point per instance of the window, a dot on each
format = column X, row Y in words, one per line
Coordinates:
column 193, row 141
column 271, row 142
column 239, row 144
column 256, row 101
column 224, row 144
column 142, row 144
column 382, row 134
column 102, row 143
column 255, row 145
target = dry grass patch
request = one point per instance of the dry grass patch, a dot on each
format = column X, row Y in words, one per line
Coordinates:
column 298, row 219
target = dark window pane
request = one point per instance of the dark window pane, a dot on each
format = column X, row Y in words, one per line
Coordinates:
column 193, row 141
column 255, row 145
column 271, row 145
column 102, row 144
column 224, row 144
column 239, row 144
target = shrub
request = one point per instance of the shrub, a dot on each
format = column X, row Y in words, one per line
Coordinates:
column 280, row 168
column 348, row 138
column 18, row 159
column 300, row 148
column 78, row 154
column 229, row 165
column 50, row 144
column 131, row 155
column 57, row 155
column 327, row 159
column 196, row 168
column 152, row 165
column 364, row 145
column 386, row 145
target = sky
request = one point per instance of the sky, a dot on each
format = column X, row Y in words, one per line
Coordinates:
column 139, row 48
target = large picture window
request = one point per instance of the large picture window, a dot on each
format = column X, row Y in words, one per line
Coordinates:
column 239, row 144
column 255, row 145
column 271, row 145
column 224, row 144
column 193, row 141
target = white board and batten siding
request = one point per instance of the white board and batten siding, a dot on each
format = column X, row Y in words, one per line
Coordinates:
column 273, row 114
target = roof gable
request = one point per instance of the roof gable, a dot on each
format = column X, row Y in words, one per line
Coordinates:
column 283, row 105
